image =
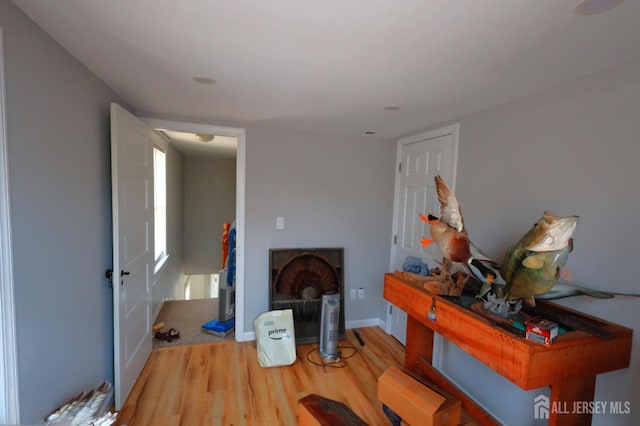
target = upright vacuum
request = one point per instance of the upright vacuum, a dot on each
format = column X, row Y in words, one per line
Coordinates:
column 225, row 323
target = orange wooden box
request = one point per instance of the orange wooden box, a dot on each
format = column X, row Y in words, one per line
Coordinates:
column 416, row 403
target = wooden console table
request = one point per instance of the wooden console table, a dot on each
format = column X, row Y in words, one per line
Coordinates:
column 569, row 366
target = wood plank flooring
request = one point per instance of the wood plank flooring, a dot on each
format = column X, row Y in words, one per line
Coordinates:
column 223, row 384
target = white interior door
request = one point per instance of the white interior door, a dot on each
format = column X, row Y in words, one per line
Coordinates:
column 420, row 159
column 132, row 205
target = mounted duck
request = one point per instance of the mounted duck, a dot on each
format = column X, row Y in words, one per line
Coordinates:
column 450, row 235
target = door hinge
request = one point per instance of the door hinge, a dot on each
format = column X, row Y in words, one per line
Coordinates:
column 390, row 309
column 395, row 239
column 399, row 167
column 109, row 275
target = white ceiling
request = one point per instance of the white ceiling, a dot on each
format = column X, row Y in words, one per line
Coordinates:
column 332, row 65
column 188, row 144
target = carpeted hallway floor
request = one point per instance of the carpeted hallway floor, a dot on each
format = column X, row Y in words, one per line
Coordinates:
column 187, row 316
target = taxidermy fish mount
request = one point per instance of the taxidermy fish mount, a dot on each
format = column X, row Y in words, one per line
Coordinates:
column 530, row 269
column 534, row 264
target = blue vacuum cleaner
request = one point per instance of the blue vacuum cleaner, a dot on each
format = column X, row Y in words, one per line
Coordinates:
column 226, row 321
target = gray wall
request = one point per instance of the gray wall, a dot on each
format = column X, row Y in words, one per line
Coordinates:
column 571, row 150
column 168, row 284
column 60, row 189
column 209, row 201
column 333, row 191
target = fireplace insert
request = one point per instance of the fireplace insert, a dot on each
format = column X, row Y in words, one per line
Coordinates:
column 298, row 278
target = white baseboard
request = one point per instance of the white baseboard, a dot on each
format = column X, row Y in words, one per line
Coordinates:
column 371, row 322
column 248, row 336
column 157, row 311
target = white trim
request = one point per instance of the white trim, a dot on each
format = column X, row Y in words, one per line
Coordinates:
column 240, row 233
column 9, row 401
column 371, row 322
column 453, row 130
column 246, row 337
column 239, row 133
column 159, row 264
column 155, row 314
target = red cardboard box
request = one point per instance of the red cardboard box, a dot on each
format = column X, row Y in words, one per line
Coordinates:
column 542, row 331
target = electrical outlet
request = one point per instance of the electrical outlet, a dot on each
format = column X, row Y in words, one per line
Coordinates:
column 361, row 293
column 352, row 294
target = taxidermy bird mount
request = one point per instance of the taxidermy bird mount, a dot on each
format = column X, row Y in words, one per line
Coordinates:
column 450, row 235
column 530, row 268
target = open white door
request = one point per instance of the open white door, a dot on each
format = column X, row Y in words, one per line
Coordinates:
column 132, row 204
column 419, row 159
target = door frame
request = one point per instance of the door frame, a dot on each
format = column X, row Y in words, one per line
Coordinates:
column 9, row 402
column 240, row 134
column 453, row 130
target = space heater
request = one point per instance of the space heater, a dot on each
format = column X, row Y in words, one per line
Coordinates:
column 329, row 322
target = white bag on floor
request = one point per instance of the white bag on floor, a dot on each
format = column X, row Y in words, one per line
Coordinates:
column 276, row 338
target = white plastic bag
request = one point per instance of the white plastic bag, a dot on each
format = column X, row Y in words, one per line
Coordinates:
column 276, row 338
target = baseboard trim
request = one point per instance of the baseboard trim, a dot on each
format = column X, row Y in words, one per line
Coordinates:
column 371, row 322
column 248, row 336
column 158, row 309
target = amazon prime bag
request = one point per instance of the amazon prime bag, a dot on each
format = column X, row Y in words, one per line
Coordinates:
column 276, row 338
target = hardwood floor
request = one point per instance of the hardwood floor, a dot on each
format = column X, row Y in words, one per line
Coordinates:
column 223, row 384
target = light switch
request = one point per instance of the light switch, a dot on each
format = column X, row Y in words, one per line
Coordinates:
column 279, row 222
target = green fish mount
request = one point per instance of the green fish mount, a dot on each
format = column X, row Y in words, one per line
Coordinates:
column 533, row 265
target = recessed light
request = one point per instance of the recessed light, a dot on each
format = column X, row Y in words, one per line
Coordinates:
column 590, row 7
column 204, row 80
column 369, row 133
column 204, row 137
column 392, row 107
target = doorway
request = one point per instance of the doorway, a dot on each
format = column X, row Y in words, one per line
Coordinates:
column 240, row 134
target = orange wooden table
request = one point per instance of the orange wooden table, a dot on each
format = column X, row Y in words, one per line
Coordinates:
column 569, row 366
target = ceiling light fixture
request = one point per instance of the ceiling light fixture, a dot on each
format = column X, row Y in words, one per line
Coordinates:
column 204, row 80
column 204, row 137
column 591, row 7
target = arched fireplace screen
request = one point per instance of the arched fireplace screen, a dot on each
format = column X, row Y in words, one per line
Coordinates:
column 298, row 279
